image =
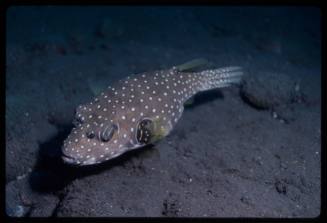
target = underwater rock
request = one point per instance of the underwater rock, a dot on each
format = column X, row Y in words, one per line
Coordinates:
column 22, row 201
column 14, row 206
column 266, row 90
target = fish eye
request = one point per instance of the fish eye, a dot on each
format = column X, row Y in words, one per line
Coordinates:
column 144, row 131
column 108, row 132
column 90, row 134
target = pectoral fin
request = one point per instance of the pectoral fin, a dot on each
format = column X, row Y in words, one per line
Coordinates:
column 152, row 130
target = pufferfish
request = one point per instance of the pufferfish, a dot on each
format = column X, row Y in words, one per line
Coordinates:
column 138, row 110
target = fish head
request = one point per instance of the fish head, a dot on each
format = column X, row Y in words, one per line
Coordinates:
column 94, row 140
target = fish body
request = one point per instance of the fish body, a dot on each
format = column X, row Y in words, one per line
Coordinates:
column 137, row 110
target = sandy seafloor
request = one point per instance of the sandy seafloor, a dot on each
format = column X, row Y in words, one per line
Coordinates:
column 226, row 157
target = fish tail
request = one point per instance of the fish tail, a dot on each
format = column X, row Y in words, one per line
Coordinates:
column 219, row 78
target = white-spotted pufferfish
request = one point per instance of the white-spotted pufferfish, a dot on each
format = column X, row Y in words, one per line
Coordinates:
column 137, row 111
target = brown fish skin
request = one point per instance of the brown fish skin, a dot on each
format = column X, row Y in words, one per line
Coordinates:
column 136, row 111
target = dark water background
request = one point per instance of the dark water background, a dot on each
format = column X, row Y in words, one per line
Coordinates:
column 229, row 156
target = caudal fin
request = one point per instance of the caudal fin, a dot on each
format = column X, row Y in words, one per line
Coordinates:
column 219, row 78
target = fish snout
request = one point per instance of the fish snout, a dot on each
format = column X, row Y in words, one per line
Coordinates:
column 70, row 160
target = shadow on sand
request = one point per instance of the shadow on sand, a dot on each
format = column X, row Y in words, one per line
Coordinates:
column 51, row 174
column 205, row 97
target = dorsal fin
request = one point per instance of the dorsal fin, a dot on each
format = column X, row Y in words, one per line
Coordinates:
column 190, row 65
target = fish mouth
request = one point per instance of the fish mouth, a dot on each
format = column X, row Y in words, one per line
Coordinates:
column 73, row 161
column 70, row 160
